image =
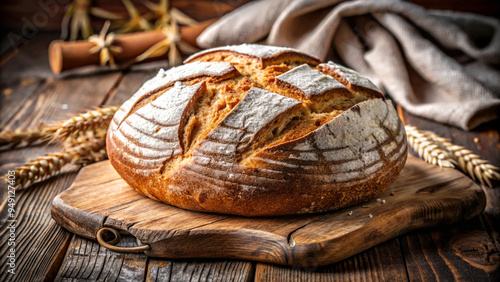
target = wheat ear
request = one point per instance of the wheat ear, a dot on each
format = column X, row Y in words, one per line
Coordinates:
column 61, row 131
column 468, row 162
column 98, row 152
column 89, row 120
column 28, row 136
column 477, row 168
column 427, row 148
column 49, row 164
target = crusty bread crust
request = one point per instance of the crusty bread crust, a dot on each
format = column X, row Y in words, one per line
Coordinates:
column 258, row 135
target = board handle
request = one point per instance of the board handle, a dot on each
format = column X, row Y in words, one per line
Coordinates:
column 109, row 237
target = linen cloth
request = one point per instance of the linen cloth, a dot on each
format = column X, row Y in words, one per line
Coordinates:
column 440, row 65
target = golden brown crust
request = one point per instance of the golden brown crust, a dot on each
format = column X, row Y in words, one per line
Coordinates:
column 271, row 140
column 250, row 52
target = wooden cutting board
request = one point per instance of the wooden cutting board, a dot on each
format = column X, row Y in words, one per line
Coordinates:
column 424, row 195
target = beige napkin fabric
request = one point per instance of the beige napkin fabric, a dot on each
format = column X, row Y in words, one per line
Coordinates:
column 440, row 65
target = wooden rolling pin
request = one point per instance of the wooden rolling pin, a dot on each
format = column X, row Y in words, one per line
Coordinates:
column 66, row 55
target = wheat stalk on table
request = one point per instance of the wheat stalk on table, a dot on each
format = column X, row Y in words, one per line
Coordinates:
column 83, row 138
column 27, row 136
column 427, row 148
column 79, row 123
column 437, row 150
column 46, row 166
column 71, row 128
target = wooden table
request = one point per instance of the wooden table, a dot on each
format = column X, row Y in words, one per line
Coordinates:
column 31, row 95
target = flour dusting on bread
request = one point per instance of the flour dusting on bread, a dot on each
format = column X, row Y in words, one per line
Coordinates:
column 258, row 131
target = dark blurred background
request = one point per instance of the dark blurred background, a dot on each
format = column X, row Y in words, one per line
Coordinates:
column 13, row 11
column 21, row 20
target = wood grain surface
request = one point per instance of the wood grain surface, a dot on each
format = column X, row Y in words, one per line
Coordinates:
column 433, row 254
column 385, row 262
column 423, row 195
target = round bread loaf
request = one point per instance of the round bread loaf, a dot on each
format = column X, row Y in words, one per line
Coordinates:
column 257, row 131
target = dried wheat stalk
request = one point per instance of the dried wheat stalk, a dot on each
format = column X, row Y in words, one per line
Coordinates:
column 427, row 149
column 93, row 157
column 28, row 136
column 477, row 168
column 84, row 140
column 43, row 167
column 78, row 14
column 90, row 120
column 96, row 121
column 468, row 162
column 98, row 153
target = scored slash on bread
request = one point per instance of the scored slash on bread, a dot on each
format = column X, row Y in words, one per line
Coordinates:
column 351, row 79
column 248, row 123
column 258, row 131
column 164, row 79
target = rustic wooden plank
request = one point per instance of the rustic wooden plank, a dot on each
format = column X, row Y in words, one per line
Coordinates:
column 484, row 141
column 200, row 270
column 381, row 263
column 39, row 241
column 466, row 249
column 30, row 60
column 87, row 260
column 491, row 215
column 452, row 253
column 14, row 95
column 21, row 72
column 56, row 99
